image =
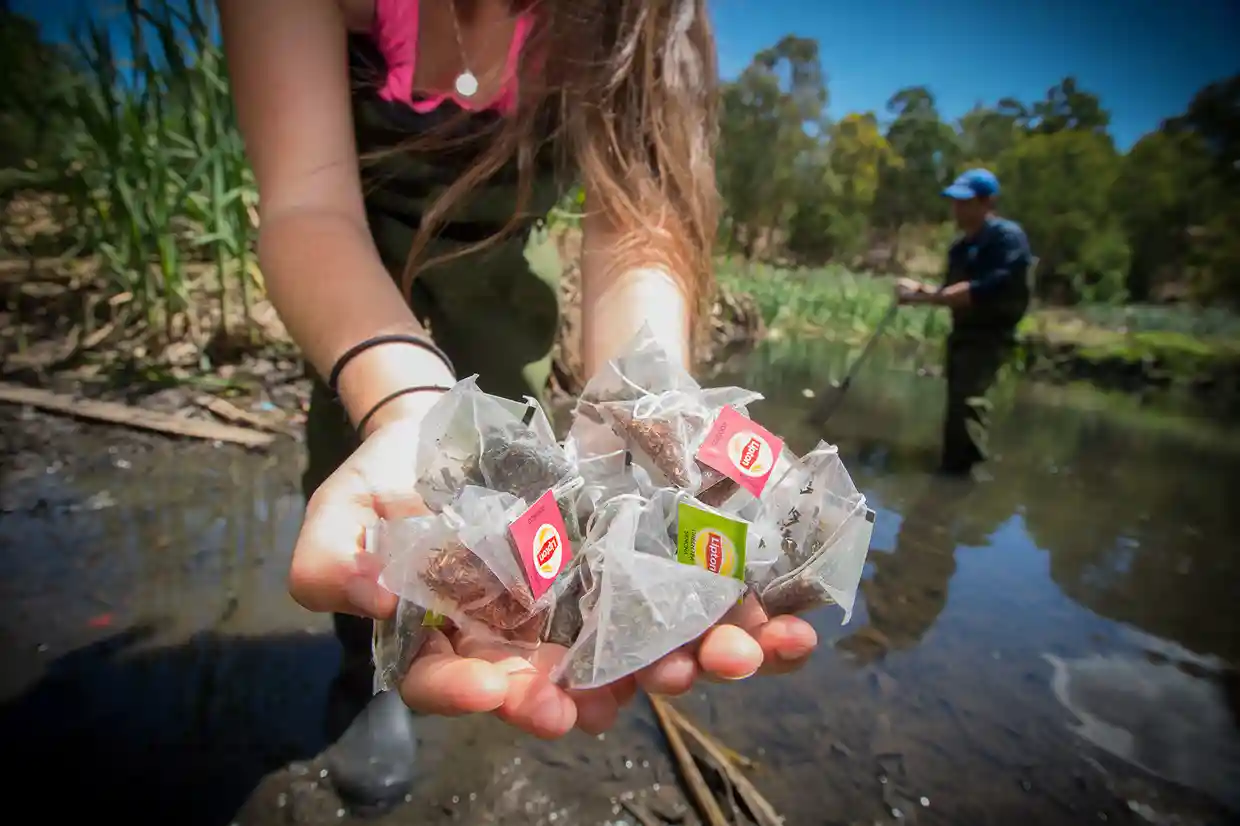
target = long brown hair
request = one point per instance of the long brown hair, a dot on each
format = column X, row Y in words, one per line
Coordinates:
column 631, row 86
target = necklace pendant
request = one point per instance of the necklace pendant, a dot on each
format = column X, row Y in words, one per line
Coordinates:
column 466, row 84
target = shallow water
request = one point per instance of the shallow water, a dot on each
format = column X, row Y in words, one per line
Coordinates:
column 1055, row 645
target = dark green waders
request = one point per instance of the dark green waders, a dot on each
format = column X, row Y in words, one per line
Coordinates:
column 489, row 311
column 973, row 364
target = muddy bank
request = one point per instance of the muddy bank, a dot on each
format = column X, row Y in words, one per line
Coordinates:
column 1005, row 638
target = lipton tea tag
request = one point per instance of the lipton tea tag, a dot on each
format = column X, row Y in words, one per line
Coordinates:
column 711, row 540
column 741, row 449
column 432, row 620
column 542, row 543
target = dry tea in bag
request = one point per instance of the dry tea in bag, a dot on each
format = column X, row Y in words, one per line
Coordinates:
column 471, row 564
column 830, row 576
column 395, row 644
column 825, row 528
column 644, row 607
column 473, row 438
column 654, row 409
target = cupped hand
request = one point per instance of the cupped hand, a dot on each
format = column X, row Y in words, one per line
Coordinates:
column 452, row 674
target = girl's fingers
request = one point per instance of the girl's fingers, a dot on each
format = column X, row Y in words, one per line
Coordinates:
column 671, row 676
column 441, row 682
column 535, row 705
column 786, row 642
column 729, row 652
column 532, row 702
column 597, row 709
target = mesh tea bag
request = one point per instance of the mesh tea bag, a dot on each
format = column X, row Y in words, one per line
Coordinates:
column 655, row 409
column 473, row 438
column 830, row 576
column 396, row 643
column 825, row 530
column 644, row 606
column 462, row 564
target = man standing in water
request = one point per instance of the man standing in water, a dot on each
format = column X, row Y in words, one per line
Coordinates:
column 987, row 290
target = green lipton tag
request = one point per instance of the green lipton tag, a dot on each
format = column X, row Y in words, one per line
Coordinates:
column 432, row 620
column 711, row 540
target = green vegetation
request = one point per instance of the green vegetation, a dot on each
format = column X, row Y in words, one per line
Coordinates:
column 146, row 167
column 135, row 173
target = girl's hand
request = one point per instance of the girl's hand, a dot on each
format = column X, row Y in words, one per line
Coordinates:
column 452, row 675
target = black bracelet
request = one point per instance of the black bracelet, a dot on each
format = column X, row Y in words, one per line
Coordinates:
column 406, row 391
column 390, row 338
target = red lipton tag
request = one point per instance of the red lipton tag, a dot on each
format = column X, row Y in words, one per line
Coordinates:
column 542, row 543
column 741, row 449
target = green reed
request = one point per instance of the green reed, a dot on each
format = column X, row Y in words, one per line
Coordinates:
column 831, row 301
column 157, row 176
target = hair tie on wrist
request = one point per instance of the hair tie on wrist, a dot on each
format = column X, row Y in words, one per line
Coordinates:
column 406, row 391
column 356, row 350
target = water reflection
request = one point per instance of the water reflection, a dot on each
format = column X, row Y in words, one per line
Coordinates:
column 1127, row 502
column 1116, row 506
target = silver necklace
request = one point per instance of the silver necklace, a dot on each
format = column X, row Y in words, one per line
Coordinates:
column 466, row 83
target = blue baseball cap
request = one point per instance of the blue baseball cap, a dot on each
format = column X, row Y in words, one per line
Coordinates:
column 975, row 183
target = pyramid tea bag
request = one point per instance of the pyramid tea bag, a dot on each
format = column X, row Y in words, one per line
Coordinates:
column 396, row 643
column 648, row 404
column 825, row 529
column 477, row 565
column 645, row 605
column 474, row 438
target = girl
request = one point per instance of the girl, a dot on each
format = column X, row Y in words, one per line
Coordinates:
column 462, row 112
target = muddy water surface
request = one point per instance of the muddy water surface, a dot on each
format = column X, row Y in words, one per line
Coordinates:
column 1056, row 644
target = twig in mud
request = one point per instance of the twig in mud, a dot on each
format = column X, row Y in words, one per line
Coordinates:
column 764, row 813
column 693, row 776
column 732, row 756
column 230, row 412
column 644, row 817
column 135, row 417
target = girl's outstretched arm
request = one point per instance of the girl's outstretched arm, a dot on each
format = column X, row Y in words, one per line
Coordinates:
column 288, row 63
column 617, row 301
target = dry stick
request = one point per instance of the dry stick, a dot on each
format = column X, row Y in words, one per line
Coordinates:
column 761, row 808
column 730, row 754
column 230, row 412
column 697, row 784
column 639, row 811
column 134, row 417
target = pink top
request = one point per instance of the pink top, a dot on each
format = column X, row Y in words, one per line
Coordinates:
column 396, row 35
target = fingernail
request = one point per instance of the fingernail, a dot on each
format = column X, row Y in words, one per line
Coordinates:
column 743, row 676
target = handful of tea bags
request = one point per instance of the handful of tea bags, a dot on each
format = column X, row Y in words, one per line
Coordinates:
column 665, row 505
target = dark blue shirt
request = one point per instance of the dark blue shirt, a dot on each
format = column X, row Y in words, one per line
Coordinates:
column 995, row 262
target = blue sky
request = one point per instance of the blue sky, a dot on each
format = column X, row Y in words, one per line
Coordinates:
column 1145, row 58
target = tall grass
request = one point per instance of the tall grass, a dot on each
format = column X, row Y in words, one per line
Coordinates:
column 157, row 175
column 830, row 301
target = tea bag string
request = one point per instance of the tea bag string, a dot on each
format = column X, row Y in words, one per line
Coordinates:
column 592, row 522
column 643, row 391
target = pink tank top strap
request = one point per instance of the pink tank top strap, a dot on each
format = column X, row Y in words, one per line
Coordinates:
column 395, row 33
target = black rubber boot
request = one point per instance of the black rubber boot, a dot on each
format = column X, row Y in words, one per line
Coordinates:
column 372, row 758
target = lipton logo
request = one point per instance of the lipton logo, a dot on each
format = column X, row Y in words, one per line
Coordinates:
column 714, row 552
column 548, row 551
column 750, row 453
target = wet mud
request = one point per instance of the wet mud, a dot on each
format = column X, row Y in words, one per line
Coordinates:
column 1056, row 645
